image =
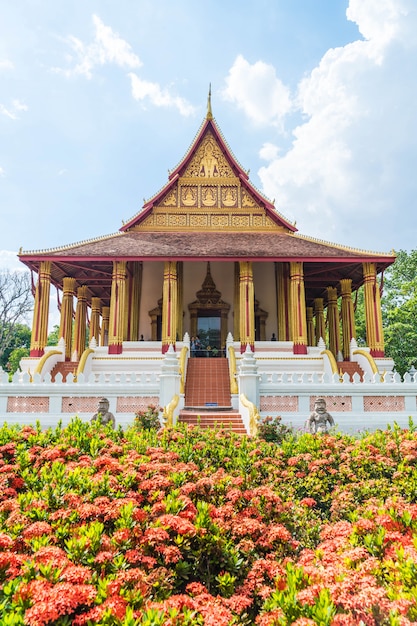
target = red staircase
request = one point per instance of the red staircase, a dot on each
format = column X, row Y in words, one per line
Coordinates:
column 207, row 401
column 64, row 368
column 351, row 368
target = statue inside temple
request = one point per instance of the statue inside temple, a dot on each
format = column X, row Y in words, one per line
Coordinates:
column 103, row 414
column 319, row 418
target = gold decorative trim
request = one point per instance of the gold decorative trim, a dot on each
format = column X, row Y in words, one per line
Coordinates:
column 208, row 180
column 215, row 219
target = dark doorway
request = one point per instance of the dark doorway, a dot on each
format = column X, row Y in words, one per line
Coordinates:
column 209, row 332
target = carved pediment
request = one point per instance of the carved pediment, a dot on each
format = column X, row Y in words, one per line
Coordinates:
column 208, row 161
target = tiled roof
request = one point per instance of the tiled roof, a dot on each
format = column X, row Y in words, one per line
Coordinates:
column 208, row 245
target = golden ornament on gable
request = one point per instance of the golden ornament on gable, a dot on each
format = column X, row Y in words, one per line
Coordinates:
column 160, row 219
column 209, row 161
column 241, row 221
column 177, row 219
column 208, row 196
column 229, row 197
column 189, row 196
column 219, row 221
column 247, row 200
column 198, row 220
column 170, row 199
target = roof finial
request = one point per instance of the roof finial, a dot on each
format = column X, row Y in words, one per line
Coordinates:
column 209, row 115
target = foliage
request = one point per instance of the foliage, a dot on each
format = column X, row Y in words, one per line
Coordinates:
column 15, row 303
column 53, row 336
column 188, row 527
column 17, row 348
column 399, row 309
column 148, row 419
column 272, row 429
column 360, row 321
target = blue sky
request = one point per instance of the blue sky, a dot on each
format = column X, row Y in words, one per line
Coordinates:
column 98, row 100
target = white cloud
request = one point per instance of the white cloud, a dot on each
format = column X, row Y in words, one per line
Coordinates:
column 11, row 111
column 269, row 152
column 145, row 90
column 380, row 21
column 350, row 162
column 107, row 47
column 257, row 91
column 5, row 64
column 9, row 261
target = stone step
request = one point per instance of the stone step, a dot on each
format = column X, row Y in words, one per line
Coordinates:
column 351, row 368
column 64, row 368
column 229, row 420
column 207, row 382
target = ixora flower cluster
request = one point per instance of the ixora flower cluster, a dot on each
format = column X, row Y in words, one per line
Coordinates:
column 183, row 527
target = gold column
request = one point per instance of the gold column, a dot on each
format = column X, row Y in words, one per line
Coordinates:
column 134, row 290
column 95, row 319
column 180, row 300
column 283, row 302
column 39, row 337
column 117, row 307
column 105, row 316
column 67, row 314
column 333, row 321
column 247, row 306
column 311, row 339
column 298, row 308
column 320, row 321
column 78, row 342
column 236, row 303
column 348, row 316
column 373, row 315
column 169, row 305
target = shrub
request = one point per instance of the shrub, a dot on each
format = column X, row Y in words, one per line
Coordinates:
column 149, row 419
column 272, row 429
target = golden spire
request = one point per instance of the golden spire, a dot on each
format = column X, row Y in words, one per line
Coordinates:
column 209, row 115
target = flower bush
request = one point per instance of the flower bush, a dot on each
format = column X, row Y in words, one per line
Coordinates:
column 273, row 429
column 149, row 419
column 186, row 526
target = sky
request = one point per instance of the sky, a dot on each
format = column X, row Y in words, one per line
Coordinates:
column 99, row 100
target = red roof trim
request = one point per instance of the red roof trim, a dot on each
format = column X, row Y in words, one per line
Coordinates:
column 282, row 259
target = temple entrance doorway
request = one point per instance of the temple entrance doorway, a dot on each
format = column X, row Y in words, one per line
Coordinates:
column 208, row 318
column 209, row 332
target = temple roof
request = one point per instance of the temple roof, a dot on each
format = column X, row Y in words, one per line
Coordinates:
column 207, row 211
column 193, row 246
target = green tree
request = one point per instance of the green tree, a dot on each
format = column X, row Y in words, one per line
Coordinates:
column 18, row 347
column 53, row 336
column 399, row 311
column 360, row 322
column 15, row 303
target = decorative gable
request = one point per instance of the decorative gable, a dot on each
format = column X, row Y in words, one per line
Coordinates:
column 209, row 161
column 210, row 191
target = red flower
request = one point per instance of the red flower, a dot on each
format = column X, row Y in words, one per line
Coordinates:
column 37, row 529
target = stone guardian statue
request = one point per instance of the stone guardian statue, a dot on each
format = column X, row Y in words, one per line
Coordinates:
column 319, row 418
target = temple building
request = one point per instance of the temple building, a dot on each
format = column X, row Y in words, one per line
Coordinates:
column 210, row 256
